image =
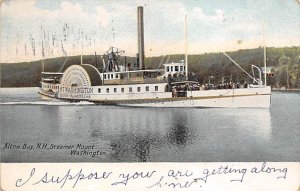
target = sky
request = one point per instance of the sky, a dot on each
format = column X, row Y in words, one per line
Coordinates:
column 37, row 29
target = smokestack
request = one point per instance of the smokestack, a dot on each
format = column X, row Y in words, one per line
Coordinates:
column 140, row 18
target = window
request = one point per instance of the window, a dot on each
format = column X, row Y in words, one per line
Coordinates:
column 168, row 68
column 108, row 76
column 104, row 76
column 176, row 68
column 139, row 89
column 107, row 90
column 130, row 89
column 99, row 90
column 122, row 89
column 156, row 88
column 147, row 88
column 181, row 68
column 171, row 68
column 117, row 75
column 115, row 90
column 112, row 76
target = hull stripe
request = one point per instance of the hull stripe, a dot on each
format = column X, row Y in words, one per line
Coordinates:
column 137, row 101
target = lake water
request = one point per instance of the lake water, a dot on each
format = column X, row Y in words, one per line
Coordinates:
column 122, row 134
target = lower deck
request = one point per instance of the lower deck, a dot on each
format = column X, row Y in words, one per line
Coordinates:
column 158, row 95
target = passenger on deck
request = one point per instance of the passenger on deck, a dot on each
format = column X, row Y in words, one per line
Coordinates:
column 174, row 92
column 187, row 88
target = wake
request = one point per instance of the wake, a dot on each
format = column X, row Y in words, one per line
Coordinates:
column 54, row 103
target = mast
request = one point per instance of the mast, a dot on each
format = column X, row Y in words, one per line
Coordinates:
column 265, row 64
column 43, row 65
column 186, row 47
column 265, row 56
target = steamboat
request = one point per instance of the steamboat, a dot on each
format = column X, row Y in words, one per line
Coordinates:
column 119, row 83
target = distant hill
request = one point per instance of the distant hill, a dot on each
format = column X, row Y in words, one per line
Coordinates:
column 285, row 60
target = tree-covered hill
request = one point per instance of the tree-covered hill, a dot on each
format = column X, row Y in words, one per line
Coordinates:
column 286, row 63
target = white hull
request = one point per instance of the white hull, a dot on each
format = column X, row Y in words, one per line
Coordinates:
column 256, row 101
column 229, row 98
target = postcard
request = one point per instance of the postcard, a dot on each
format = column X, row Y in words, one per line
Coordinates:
column 149, row 95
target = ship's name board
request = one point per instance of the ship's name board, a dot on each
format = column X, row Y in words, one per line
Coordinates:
column 76, row 90
column 75, row 96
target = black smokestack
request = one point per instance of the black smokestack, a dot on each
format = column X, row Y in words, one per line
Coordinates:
column 140, row 18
